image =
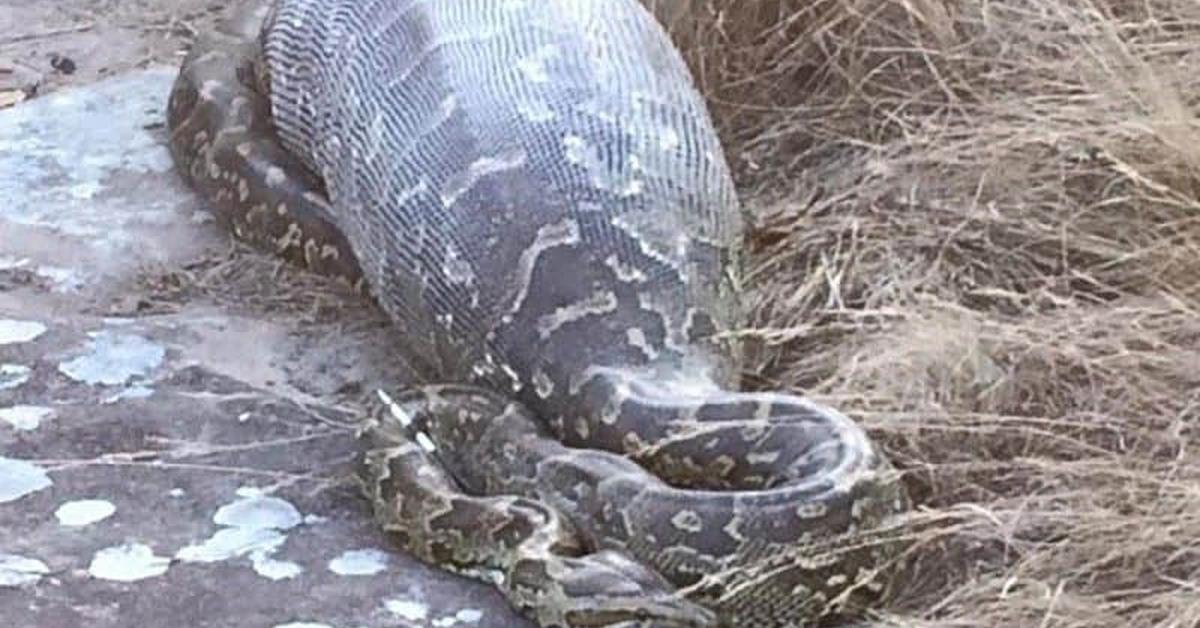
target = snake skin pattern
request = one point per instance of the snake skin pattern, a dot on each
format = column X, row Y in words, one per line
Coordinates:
column 533, row 191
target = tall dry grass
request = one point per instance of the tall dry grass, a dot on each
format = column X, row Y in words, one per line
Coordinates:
column 976, row 229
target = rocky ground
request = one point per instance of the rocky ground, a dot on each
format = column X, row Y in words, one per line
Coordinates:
column 176, row 413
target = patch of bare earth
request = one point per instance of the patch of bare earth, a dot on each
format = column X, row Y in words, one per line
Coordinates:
column 49, row 44
column 977, row 231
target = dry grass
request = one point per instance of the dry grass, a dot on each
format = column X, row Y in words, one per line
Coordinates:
column 977, row 230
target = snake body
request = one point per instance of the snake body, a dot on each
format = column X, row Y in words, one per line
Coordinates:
column 533, row 191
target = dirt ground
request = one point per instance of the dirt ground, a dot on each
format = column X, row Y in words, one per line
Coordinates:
column 71, row 42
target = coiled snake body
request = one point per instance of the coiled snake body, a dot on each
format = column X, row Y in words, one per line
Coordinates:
column 534, row 193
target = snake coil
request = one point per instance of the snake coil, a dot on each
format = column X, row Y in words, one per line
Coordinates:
column 534, row 192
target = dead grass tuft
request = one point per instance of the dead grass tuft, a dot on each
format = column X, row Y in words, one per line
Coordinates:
column 977, row 230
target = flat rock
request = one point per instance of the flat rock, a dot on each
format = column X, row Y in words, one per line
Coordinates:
column 179, row 410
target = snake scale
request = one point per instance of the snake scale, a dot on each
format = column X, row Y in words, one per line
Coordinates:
column 534, row 193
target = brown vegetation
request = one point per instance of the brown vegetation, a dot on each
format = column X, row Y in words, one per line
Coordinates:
column 977, row 231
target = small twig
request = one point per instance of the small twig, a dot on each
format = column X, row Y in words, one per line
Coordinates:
column 191, row 449
column 66, row 465
column 78, row 28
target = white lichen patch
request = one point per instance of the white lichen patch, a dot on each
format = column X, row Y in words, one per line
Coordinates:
column 14, row 331
column 114, row 358
column 25, row 418
column 253, row 527
column 84, row 512
column 410, row 610
column 229, row 543
column 13, row 375
column 362, row 562
column 259, row 512
column 469, row 615
column 464, row 616
column 19, row 478
column 16, row 571
column 273, row 569
column 129, row 562
column 302, row 624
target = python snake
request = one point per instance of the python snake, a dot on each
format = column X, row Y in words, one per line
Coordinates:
column 534, row 193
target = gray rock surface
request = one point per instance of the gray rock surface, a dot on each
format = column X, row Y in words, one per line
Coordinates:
column 176, row 413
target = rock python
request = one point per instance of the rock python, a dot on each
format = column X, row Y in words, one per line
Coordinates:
column 534, row 193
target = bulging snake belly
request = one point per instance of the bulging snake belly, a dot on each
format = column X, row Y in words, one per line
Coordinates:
column 534, row 193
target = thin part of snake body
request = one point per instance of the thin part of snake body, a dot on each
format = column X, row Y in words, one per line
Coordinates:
column 534, row 192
